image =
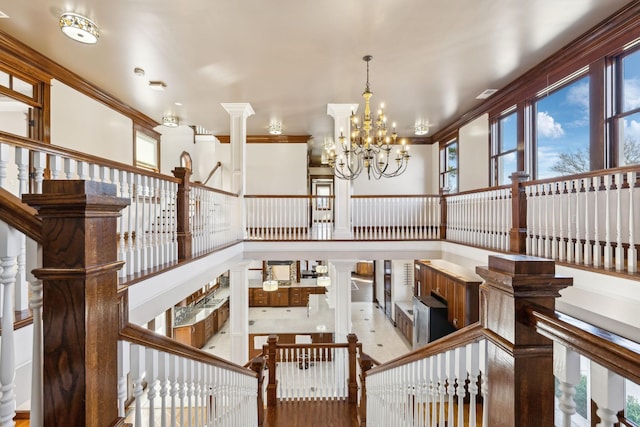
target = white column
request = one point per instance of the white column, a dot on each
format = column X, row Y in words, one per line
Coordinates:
column 341, row 290
column 342, row 187
column 239, row 313
column 607, row 391
column 238, row 113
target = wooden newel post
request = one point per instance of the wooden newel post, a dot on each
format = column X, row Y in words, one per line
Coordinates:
column 257, row 365
column 520, row 388
column 443, row 215
column 366, row 363
column 272, row 386
column 352, row 340
column 183, row 231
column 80, row 312
column 518, row 232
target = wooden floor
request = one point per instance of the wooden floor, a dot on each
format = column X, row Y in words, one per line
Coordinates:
column 312, row 414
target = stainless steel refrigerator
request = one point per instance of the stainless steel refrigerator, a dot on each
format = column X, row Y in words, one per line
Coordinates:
column 429, row 320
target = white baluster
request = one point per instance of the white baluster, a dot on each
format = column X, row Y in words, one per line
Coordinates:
column 9, row 250
column 151, row 369
column 137, row 193
column 608, row 250
column 5, row 157
column 82, row 170
column 473, row 362
column 460, row 373
column 174, row 383
column 144, row 224
column 596, row 231
column 36, row 418
column 619, row 248
column 588, row 248
column 566, row 368
column 55, row 166
column 165, row 385
column 69, row 168
column 632, row 263
column 607, row 391
column 124, row 364
column 39, row 164
column 184, row 385
column 137, row 375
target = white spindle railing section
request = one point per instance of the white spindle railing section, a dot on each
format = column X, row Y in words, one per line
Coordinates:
column 184, row 391
column 589, row 220
column 429, row 391
column 480, row 218
column 311, row 372
column 395, row 217
column 605, row 387
column 147, row 226
column 212, row 214
column 289, row 217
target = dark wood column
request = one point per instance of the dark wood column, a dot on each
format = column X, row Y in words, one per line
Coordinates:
column 182, row 212
column 519, row 360
column 443, row 215
column 518, row 232
column 80, row 313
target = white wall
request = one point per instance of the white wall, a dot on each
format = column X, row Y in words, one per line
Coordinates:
column 417, row 179
column 86, row 125
column 203, row 153
column 473, row 152
column 276, row 169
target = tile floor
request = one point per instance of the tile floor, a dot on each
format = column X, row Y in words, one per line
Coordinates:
column 380, row 339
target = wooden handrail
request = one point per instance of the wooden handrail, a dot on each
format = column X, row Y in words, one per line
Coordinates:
column 138, row 335
column 20, row 216
column 215, row 190
column 616, row 353
column 284, row 196
column 215, row 168
column 467, row 335
column 478, row 190
column 395, row 196
column 51, row 149
column 591, row 174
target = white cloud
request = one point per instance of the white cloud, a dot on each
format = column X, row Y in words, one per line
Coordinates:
column 578, row 94
column 632, row 130
column 631, row 94
column 548, row 127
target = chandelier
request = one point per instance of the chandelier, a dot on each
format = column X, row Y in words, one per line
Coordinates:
column 370, row 145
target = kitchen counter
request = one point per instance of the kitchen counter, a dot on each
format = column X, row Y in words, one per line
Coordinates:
column 406, row 307
column 201, row 311
column 321, row 319
column 303, row 283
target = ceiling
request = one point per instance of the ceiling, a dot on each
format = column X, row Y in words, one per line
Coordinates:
column 290, row 58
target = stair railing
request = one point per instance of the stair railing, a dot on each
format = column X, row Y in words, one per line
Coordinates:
column 320, row 371
column 184, row 385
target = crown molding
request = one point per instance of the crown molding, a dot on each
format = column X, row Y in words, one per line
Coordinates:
column 269, row 139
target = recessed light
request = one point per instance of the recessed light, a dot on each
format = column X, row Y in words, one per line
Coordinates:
column 138, row 72
column 157, row 85
column 3, row 15
column 486, row 93
column 179, row 104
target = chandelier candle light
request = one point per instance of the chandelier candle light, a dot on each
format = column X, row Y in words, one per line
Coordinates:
column 370, row 145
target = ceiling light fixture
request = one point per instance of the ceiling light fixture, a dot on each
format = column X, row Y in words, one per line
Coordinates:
column 275, row 128
column 139, row 72
column 269, row 285
column 421, row 128
column 369, row 146
column 486, row 93
column 170, row 121
column 79, row 28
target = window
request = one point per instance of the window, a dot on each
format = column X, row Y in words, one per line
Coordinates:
column 628, row 108
column 147, row 150
column 449, row 167
column 562, row 129
column 504, row 147
column 632, row 402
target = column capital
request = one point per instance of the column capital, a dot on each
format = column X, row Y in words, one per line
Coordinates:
column 343, row 265
column 339, row 111
column 238, row 108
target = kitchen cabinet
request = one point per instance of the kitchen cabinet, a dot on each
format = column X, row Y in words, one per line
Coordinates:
column 404, row 323
column 279, row 298
column 285, row 296
column 450, row 284
column 198, row 333
column 223, row 315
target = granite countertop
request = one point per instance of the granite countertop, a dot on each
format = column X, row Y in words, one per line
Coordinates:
column 201, row 311
column 406, row 307
column 320, row 320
